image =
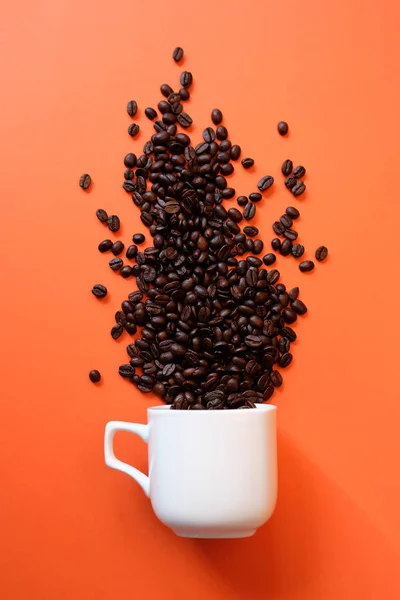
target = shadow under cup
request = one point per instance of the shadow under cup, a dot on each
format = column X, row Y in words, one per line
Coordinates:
column 212, row 474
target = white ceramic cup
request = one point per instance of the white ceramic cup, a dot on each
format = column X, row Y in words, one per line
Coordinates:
column 212, row 473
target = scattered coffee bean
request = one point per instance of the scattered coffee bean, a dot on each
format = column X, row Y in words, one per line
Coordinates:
column 235, row 152
column 105, row 245
column 177, row 54
column 129, row 174
column 184, row 120
column 306, row 265
column 286, row 247
column 117, row 248
column 293, row 294
column 126, row 272
column 269, row 259
column 287, row 167
column 113, row 223
column 297, row 250
column 166, row 90
column 242, row 200
column 265, row 183
column 130, row 160
column 278, row 228
column 283, row 128
column 222, row 133
column 299, row 172
column 255, row 197
column 138, row 238
column 94, row 376
column 216, row 116
column 250, row 230
column 298, row 189
column 247, row 163
column 85, row 181
column 286, row 221
column 285, row 360
column 321, row 253
column 290, row 182
column 126, row 370
column 132, row 252
column 98, row 290
column 276, row 244
column 292, row 212
column 116, row 264
column 184, row 94
column 299, row 307
column 150, row 113
column 117, row 331
column 290, row 234
column 102, row 215
column 249, row 211
column 132, row 108
column 186, row 79
column 133, row 129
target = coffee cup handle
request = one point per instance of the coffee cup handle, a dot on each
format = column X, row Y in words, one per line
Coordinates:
column 112, row 461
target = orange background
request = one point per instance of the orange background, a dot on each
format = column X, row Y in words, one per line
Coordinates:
column 73, row 529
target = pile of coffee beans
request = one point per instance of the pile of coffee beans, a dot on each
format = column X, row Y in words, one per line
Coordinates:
column 213, row 323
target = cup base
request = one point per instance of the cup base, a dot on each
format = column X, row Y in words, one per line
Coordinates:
column 215, row 534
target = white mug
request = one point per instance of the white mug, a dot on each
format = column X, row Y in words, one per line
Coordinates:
column 212, row 473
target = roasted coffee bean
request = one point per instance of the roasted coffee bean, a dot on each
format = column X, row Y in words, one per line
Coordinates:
column 130, row 160
column 222, row 132
column 105, row 245
column 306, row 265
column 129, row 186
column 273, row 276
column 286, row 221
column 150, row 113
column 117, row 331
column 184, row 120
column 287, row 167
column 94, row 376
column 250, row 230
column 269, row 259
column 129, row 174
column 247, row 163
column 297, row 250
column 258, row 246
column 299, row 172
column 166, row 90
column 290, row 234
column 126, row 370
column 265, row 183
column 290, row 182
column 292, row 212
column 289, row 333
column 209, row 135
column 299, row 307
column 249, row 211
column 133, row 129
column 235, row 152
column 216, row 116
column 299, row 188
column 186, row 79
column 116, row 264
column 102, row 215
column 126, row 272
column 138, row 238
column 227, row 169
column 285, row 360
column 131, row 251
column 228, row 193
column 293, row 294
column 177, row 54
column 184, row 94
column 289, row 316
column 283, row 128
column 113, row 223
column 242, row 200
column 321, row 253
column 132, row 108
column 278, row 228
column 85, row 181
column 98, row 290
column 255, row 197
column 286, row 247
column 276, row 244
column 235, row 215
column 117, row 248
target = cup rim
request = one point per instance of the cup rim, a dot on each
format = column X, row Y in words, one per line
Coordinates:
column 166, row 408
